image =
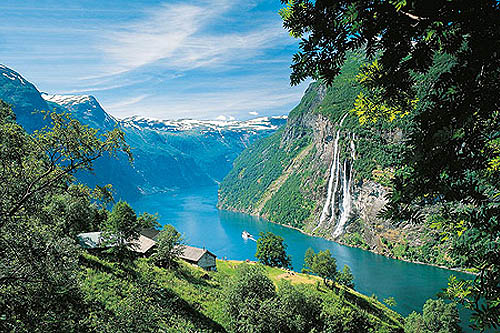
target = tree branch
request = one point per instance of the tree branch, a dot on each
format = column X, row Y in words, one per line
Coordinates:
column 414, row 17
column 47, row 183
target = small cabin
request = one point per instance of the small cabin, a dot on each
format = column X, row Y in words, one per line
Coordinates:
column 199, row 257
column 94, row 241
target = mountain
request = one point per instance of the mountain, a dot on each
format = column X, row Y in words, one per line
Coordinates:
column 327, row 175
column 85, row 108
column 168, row 154
column 193, row 147
column 24, row 98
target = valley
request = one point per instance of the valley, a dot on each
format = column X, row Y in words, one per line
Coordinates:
column 194, row 214
column 168, row 154
column 317, row 174
column 316, row 170
column 292, row 166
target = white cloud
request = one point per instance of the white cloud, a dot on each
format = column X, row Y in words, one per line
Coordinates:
column 100, row 87
column 178, row 36
column 221, row 105
column 154, row 38
column 180, row 59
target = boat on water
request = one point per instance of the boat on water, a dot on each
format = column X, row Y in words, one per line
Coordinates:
column 246, row 235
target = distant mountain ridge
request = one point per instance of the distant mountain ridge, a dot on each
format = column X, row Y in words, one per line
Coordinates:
column 256, row 124
column 89, row 110
column 86, row 107
column 169, row 154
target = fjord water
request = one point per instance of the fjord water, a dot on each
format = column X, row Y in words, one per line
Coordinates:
column 194, row 214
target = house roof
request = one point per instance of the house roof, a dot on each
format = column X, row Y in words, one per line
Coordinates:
column 192, row 253
column 150, row 233
column 142, row 244
column 93, row 240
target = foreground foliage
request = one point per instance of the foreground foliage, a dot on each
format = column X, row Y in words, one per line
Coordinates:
column 452, row 106
column 41, row 211
column 238, row 298
column 324, row 265
column 437, row 317
column 169, row 247
column 271, row 250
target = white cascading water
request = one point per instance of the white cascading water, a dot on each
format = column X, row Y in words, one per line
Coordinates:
column 336, row 186
column 326, row 208
column 346, row 207
column 329, row 207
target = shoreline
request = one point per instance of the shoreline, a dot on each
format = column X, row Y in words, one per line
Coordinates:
column 406, row 260
column 350, row 245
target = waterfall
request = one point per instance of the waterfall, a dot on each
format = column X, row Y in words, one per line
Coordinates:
column 335, row 188
column 339, row 194
column 329, row 207
column 346, row 207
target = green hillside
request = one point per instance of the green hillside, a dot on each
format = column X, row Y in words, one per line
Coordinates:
column 282, row 177
column 144, row 297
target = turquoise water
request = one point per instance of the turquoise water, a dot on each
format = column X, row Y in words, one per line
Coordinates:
column 194, row 214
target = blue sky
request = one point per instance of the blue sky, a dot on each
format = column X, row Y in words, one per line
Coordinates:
column 163, row 59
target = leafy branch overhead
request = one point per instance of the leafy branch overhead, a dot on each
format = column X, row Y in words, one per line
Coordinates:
column 437, row 64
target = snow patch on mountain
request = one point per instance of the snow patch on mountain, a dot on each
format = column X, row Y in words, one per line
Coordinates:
column 67, row 100
column 91, row 106
column 84, row 107
column 11, row 75
column 257, row 124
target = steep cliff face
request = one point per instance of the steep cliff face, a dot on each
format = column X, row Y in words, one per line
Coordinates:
column 323, row 173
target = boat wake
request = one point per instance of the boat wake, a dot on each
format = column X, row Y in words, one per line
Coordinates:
column 246, row 235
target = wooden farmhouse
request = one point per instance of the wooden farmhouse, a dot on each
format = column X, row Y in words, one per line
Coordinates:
column 200, row 257
column 94, row 241
column 145, row 245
